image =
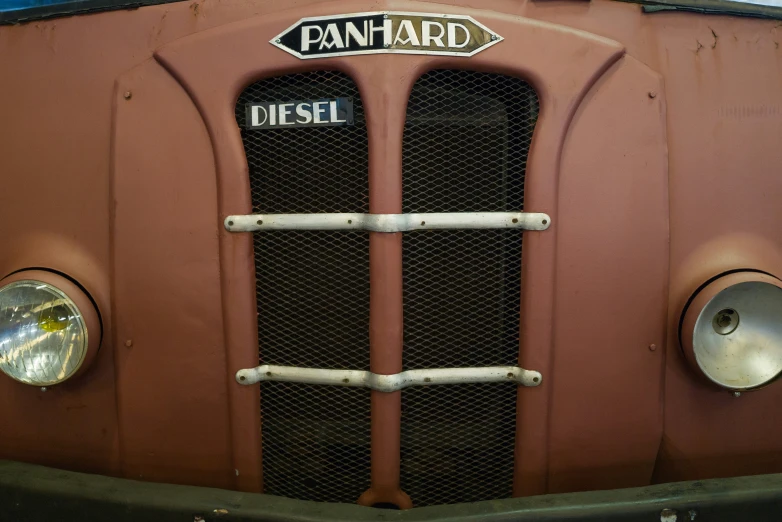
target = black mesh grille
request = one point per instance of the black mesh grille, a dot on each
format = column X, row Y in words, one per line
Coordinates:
column 313, row 292
column 466, row 141
column 307, row 169
column 315, row 441
column 457, row 442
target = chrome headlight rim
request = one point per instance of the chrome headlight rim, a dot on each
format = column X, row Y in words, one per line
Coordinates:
column 84, row 305
column 702, row 304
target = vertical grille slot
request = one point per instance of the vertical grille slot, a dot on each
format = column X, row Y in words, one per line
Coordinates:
column 312, row 292
column 466, row 140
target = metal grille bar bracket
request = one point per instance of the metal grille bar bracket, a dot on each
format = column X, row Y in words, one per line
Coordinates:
column 389, row 222
column 389, row 383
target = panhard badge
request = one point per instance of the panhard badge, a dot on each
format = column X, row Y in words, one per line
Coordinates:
column 385, row 32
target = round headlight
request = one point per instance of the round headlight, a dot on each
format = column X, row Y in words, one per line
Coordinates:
column 732, row 330
column 45, row 336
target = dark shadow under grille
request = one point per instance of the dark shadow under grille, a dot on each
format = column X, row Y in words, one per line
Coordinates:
column 467, row 136
column 315, row 441
column 457, row 443
column 313, row 292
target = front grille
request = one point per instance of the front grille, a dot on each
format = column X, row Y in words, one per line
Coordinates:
column 312, row 291
column 466, row 140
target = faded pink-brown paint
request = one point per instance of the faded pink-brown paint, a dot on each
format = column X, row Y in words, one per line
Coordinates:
column 654, row 154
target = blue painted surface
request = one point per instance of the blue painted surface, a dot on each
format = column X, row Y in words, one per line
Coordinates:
column 15, row 5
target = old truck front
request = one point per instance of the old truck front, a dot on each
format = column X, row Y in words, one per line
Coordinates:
column 395, row 254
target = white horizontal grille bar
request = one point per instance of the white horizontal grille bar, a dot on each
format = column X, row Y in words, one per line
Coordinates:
column 389, row 222
column 389, row 383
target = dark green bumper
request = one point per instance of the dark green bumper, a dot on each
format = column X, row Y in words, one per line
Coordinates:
column 34, row 493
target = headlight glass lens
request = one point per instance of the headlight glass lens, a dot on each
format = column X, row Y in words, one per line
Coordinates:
column 43, row 337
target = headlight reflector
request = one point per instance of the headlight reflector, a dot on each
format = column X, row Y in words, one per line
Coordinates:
column 43, row 334
column 732, row 330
